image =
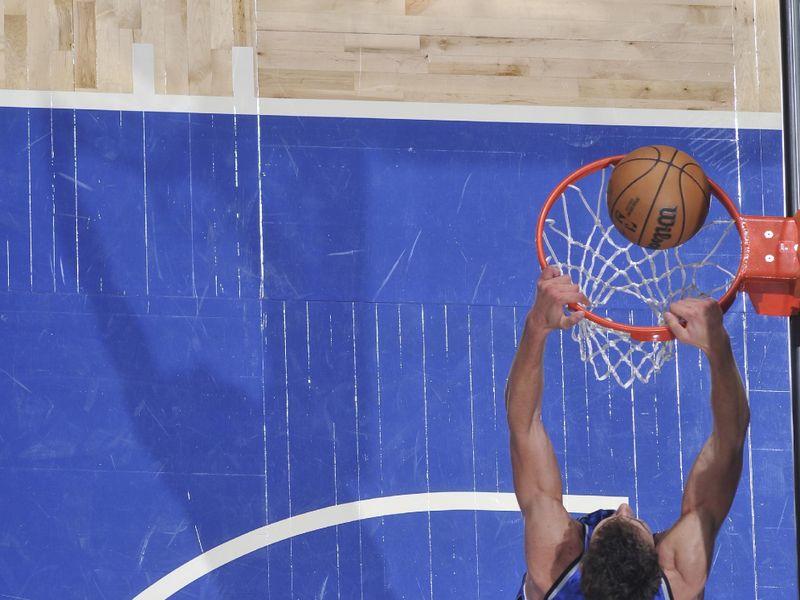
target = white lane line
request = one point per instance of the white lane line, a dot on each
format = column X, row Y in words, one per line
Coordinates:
column 348, row 513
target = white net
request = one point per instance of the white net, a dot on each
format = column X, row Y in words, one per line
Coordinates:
column 631, row 284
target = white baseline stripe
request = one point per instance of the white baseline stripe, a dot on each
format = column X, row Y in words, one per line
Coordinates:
column 497, row 113
column 422, row 111
column 348, row 513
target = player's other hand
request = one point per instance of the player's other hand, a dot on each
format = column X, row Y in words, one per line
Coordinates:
column 553, row 291
column 698, row 322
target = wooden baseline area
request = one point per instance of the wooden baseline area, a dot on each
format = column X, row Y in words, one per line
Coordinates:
column 678, row 54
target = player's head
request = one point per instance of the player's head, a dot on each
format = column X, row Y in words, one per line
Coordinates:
column 621, row 561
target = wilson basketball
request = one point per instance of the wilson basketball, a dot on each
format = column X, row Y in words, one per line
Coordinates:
column 658, row 197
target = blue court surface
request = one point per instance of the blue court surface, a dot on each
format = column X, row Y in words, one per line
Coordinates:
column 214, row 325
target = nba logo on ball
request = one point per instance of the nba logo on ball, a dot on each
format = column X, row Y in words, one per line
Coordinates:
column 658, row 197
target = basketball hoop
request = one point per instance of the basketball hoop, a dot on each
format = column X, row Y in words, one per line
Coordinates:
column 626, row 282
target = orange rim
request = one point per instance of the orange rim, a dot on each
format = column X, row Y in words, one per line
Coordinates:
column 637, row 332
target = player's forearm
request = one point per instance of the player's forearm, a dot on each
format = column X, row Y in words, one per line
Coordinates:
column 526, row 379
column 728, row 398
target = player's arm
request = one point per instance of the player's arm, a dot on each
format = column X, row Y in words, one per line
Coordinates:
column 712, row 483
column 537, row 479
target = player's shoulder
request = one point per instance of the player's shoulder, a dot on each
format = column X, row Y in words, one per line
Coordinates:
column 553, row 542
column 685, row 553
column 545, row 577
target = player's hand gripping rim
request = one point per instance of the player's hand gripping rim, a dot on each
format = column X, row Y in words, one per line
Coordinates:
column 697, row 322
column 553, row 292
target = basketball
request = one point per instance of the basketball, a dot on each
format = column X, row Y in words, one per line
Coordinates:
column 658, row 197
